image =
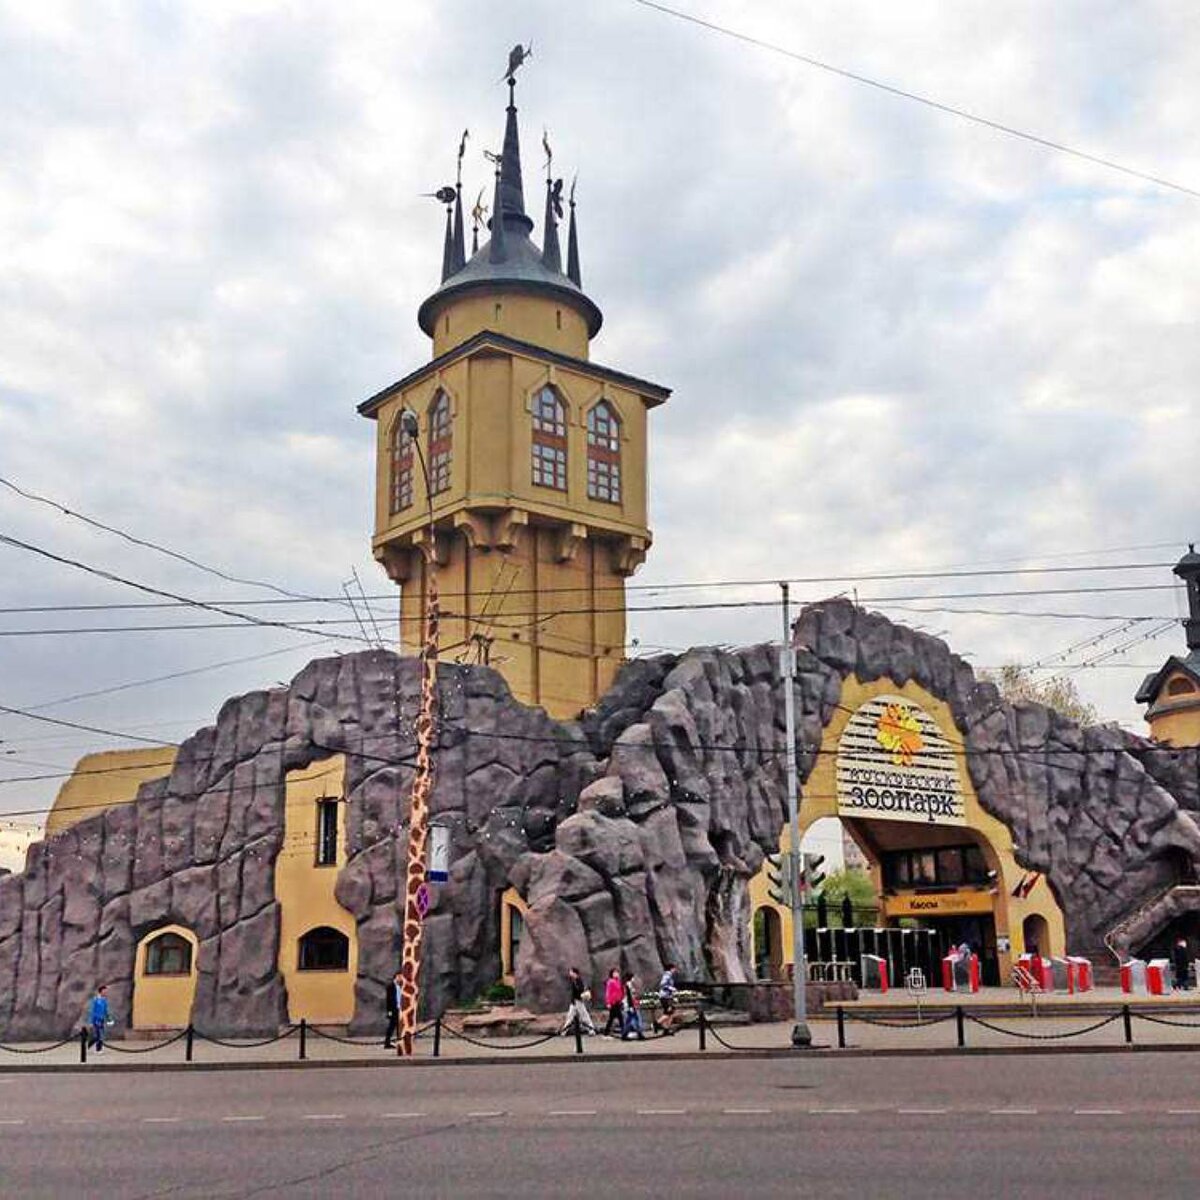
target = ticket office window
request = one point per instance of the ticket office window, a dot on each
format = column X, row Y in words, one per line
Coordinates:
column 946, row 866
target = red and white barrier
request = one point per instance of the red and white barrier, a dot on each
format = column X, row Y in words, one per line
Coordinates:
column 1079, row 974
column 874, row 973
column 1133, row 977
column 1040, row 970
column 960, row 973
column 1158, row 977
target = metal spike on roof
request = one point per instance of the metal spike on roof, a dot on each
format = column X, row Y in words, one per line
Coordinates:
column 551, row 254
column 448, row 248
column 496, row 248
column 573, row 247
column 512, row 190
column 460, row 236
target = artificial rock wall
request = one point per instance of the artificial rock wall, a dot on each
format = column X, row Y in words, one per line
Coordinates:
column 632, row 833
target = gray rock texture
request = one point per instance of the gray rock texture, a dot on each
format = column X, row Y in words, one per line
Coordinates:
column 632, row 834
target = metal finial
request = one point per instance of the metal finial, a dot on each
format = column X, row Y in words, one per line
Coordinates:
column 516, row 56
column 462, row 149
column 549, row 152
column 493, row 158
column 444, row 194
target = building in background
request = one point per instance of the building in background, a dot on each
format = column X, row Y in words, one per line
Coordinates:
column 1172, row 693
column 16, row 837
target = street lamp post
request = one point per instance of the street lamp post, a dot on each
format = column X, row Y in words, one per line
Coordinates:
column 415, row 895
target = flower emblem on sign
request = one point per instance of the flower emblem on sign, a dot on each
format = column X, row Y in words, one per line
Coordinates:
column 899, row 734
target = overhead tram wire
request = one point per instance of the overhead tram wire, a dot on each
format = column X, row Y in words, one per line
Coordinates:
column 917, row 98
column 798, row 580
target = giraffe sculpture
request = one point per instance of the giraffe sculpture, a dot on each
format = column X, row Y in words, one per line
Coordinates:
column 418, row 819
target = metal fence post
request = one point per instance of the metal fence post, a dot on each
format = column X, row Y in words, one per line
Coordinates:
column 1128, row 1019
column 188, row 1044
column 841, row 1027
column 703, row 1031
column 437, row 1037
column 303, row 1039
column 578, row 1036
column 83, row 1043
column 960, row 1024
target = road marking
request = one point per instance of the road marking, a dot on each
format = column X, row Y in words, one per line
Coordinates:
column 745, row 1112
column 324, row 1116
column 1013, row 1112
column 13, row 1121
column 920, row 1112
column 571, row 1112
column 1098, row 1112
column 661, row 1112
column 159, row 1120
column 1184, row 1112
column 400, row 1116
column 495, row 1113
column 830, row 1112
column 241, row 1118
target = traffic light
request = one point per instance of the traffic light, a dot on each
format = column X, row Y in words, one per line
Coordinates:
column 813, row 875
column 779, row 878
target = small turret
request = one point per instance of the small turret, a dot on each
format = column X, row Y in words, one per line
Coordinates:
column 573, row 246
column 1188, row 569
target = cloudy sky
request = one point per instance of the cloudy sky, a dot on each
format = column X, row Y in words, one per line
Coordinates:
column 899, row 341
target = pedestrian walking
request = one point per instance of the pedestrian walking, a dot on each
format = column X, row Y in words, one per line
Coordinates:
column 577, row 1012
column 633, row 1013
column 98, row 1017
column 1179, row 960
column 614, row 995
column 665, row 1021
column 392, row 996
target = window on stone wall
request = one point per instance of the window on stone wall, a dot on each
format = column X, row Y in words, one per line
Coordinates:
column 324, row 949
column 168, row 954
column 604, row 453
column 441, row 444
column 549, row 440
column 1180, row 687
column 327, row 833
column 400, row 451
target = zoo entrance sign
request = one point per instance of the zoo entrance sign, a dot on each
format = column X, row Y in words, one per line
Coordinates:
column 894, row 763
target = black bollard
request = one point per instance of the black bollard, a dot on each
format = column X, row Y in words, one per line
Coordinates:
column 703, row 1031
column 303, row 1039
column 187, row 1054
column 961, row 1026
column 841, row 1027
column 578, row 1037
column 83, row 1041
column 1128, row 1019
column 437, row 1038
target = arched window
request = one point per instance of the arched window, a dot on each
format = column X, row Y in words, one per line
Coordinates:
column 549, row 440
column 168, row 954
column 604, row 453
column 401, row 453
column 1180, row 687
column 324, row 949
column 441, row 444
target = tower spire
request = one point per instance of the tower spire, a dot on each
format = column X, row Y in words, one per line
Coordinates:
column 448, row 267
column 551, row 254
column 460, row 247
column 512, row 191
column 497, row 251
column 573, row 243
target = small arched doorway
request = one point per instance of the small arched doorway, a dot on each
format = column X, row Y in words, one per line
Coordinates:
column 164, row 982
column 768, row 943
column 321, row 990
column 1035, row 933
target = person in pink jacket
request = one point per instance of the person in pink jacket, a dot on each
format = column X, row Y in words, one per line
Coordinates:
column 614, row 995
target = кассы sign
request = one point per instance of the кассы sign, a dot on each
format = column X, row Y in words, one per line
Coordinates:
column 893, row 762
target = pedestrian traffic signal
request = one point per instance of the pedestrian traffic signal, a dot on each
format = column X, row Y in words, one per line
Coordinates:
column 813, row 875
column 779, row 878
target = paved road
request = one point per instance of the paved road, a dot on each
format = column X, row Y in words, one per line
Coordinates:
column 1069, row 1126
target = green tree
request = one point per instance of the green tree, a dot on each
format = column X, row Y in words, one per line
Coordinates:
column 849, row 882
column 1017, row 685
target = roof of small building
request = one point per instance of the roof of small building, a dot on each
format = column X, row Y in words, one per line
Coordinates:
column 1152, row 684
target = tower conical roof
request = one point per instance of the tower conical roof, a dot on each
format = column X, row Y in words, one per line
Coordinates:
column 510, row 259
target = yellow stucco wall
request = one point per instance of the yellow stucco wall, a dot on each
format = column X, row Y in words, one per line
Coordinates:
column 510, row 903
column 305, row 893
column 540, row 572
column 541, row 320
column 102, row 780
column 1175, row 720
column 163, row 1001
column 820, row 800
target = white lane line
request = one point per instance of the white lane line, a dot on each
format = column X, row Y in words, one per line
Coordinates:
column 324, row 1116
column 247, row 1118
column 1013, row 1112
column 492, row 1113
column 571, row 1112
column 920, row 1112
column 1098, row 1112
column 13, row 1121
column 1184, row 1112
column 745, row 1112
column 159, row 1120
column 661, row 1112
column 832, row 1112
column 400, row 1116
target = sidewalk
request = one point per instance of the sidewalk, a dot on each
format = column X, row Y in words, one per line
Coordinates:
column 876, row 1034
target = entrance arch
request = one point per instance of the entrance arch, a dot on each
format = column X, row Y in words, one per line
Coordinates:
column 1035, row 933
column 164, row 980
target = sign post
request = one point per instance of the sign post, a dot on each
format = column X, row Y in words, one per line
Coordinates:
column 801, row 1036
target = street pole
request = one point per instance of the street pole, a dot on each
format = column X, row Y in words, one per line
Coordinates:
column 418, row 807
column 801, row 1036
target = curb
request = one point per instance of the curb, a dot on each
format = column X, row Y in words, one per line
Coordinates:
column 824, row 1053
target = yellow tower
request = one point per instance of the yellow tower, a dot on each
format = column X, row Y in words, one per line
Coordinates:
column 1172, row 693
column 535, row 458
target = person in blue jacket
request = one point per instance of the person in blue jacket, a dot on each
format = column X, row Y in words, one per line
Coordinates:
column 98, row 1016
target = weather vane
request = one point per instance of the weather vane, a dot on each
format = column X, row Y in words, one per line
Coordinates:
column 444, row 194
column 462, row 149
column 516, row 56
